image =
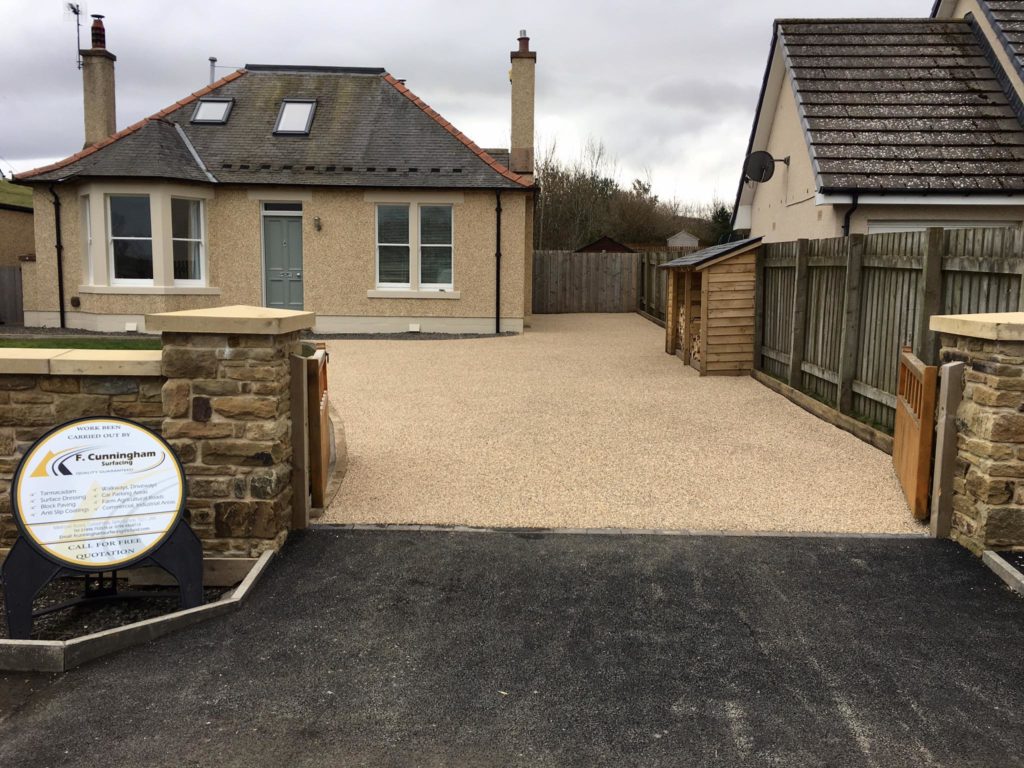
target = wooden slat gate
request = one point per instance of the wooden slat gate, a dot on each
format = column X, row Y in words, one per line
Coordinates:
column 319, row 426
column 914, row 430
column 11, row 311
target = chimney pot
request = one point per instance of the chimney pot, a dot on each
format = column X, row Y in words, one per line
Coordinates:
column 99, row 33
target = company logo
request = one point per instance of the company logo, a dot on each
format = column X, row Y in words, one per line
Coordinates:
column 76, row 461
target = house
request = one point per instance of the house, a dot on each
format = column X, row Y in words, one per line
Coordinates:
column 605, row 244
column 683, row 239
column 332, row 189
column 888, row 125
column 16, row 233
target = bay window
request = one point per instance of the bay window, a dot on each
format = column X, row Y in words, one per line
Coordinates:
column 144, row 238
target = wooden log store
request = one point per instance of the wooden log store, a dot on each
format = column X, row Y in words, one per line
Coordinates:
column 709, row 313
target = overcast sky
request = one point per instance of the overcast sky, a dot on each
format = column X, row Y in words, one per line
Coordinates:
column 668, row 85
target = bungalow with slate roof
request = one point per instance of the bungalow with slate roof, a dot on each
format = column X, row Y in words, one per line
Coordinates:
column 332, row 189
column 891, row 125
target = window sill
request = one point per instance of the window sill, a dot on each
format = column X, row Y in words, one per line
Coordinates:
column 398, row 293
column 158, row 290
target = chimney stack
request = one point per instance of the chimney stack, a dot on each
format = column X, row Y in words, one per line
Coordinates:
column 98, row 85
column 524, row 62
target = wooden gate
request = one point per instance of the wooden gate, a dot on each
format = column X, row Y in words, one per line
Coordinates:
column 319, row 426
column 914, row 430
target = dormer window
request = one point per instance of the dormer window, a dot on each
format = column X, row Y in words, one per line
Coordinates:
column 212, row 111
column 295, row 117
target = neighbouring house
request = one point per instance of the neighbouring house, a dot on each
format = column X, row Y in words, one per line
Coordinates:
column 889, row 125
column 683, row 239
column 605, row 244
column 17, row 240
column 332, row 189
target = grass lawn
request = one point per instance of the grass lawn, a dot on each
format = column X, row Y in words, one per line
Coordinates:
column 82, row 342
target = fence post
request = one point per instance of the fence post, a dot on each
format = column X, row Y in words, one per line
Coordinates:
column 671, row 310
column 929, row 297
column 758, row 305
column 851, row 322
column 796, row 348
column 950, row 394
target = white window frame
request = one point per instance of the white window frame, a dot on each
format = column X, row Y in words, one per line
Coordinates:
column 439, row 287
column 201, row 240
column 413, row 274
column 111, row 269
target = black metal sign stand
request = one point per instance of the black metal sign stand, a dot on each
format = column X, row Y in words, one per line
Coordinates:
column 26, row 571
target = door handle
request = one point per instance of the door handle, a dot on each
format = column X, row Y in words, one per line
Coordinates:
column 298, row 274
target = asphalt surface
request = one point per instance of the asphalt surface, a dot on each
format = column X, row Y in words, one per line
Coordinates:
column 382, row 648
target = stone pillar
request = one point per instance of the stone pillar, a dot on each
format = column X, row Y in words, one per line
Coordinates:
column 988, row 482
column 227, row 414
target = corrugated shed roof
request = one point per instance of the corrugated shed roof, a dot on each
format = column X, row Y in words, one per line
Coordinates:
column 697, row 258
column 902, row 106
column 368, row 130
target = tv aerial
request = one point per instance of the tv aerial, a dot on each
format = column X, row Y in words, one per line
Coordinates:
column 75, row 11
column 759, row 167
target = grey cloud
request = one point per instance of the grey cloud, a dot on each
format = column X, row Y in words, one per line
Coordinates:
column 652, row 78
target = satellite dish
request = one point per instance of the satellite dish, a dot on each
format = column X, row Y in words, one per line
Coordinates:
column 759, row 167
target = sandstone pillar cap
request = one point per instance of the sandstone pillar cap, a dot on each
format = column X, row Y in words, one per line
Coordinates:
column 238, row 319
column 996, row 326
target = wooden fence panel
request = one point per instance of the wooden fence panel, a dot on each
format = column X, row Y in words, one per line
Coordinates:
column 11, row 310
column 856, row 324
column 565, row 281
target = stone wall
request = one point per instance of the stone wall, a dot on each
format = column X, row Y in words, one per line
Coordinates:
column 218, row 391
column 226, row 400
column 988, row 483
column 33, row 403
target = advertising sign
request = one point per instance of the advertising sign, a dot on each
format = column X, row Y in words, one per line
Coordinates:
column 98, row 494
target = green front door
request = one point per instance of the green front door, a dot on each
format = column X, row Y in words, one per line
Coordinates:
column 282, row 260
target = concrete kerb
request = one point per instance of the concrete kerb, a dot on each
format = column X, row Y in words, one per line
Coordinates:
column 62, row 655
column 619, row 531
column 1013, row 578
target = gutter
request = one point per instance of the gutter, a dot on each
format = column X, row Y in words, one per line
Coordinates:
column 849, row 213
column 497, row 262
column 60, row 252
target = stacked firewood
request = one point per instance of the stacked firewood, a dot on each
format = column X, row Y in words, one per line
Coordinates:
column 695, row 341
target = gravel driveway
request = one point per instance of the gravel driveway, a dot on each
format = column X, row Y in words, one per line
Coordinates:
column 585, row 422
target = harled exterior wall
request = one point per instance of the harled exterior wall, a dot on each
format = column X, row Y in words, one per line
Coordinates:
column 338, row 262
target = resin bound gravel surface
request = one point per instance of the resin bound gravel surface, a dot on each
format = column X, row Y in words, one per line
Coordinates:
column 585, row 422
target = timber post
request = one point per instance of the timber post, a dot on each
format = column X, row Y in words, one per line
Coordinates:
column 851, row 323
column 796, row 354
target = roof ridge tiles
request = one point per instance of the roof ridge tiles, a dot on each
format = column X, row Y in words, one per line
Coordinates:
column 158, row 116
column 457, row 134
